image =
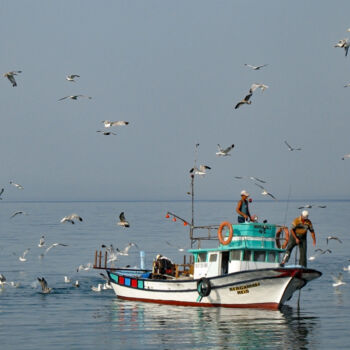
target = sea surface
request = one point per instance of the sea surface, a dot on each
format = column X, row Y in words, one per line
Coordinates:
column 79, row 318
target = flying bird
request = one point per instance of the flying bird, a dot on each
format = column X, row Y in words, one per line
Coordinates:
column 333, row 237
column 338, row 280
column 122, row 221
column 177, row 247
column 265, row 192
column 343, row 43
column 112, row 253
column 320, row 252
column 106, row 133
column 125, row 251
column 253, row 178
column 201, row 171
column 71, row 218
column 292, row 148
column 108, row 124
column 224, row 151
column 307, row 206
column 71, row 77
column 255, row 86
column 17, row 213
column 85, row 267
column 23, row 256
column 20, row 187
column 55, row 245
column 322, row 206
column 255, row 67
column 345, row 156
column 74, row 97
column 45, row 289
column 11, row 76
column 1, row 192
column 244, row 101
column 2, row 279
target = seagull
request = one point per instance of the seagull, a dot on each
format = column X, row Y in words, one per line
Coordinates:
column 125, row 251
column 85, row 267
column 108, row 123
column 344, row 44
column 264, row 191
column 20, row 187
column 2, row 279
column 345, row 156
column 321, row 252
column 224, row 152
column 255, row 86
column 74, row 97
column 55, row 245
column 70, row 218
column 11, row 78
column 255, row 67
column 17, row 213
column 244, row 101
column 333, row 237
column 97, row 289
column 23, row 257
column 322, row 206
column 72, row 76
column 106, row 133
column 107, row 285
column 112, row 253
column 76, row 284
column 178, row 248
column 292, row 148
column 44, row 287
column 253, row 178
column 307, row 206
column 338, row 280
column 201, row 171
column 122, row 221
column 1, row 192
column 67, row 279
column 41, row 242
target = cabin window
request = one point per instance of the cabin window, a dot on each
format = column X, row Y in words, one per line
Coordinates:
column 259, row 256
column 202, row 257
column 246, row 255
column 235, row 255
column 213, row 257
column 271, row 257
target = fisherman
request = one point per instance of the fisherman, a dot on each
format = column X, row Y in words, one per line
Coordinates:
column 299, row 228
column 242, row 208
column 164, row 265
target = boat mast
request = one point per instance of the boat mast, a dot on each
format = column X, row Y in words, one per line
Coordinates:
column 192, row 204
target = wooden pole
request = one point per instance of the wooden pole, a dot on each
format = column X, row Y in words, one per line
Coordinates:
column 95, row 262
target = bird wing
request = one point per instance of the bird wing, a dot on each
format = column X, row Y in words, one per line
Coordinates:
column 12, row 79
column 253, row 87
column 288, row 145
column 63, row 98
column 247, row 97
column 238, row 105
column 259, row 186
column 271, row 195
column 2, row 191
column 228, row 149
column 119, row 123
column 122, row 216
column 255, row 178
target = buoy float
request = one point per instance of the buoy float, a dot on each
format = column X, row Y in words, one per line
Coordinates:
column 167, row 216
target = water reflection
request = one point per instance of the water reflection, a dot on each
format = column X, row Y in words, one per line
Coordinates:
column 198, row 328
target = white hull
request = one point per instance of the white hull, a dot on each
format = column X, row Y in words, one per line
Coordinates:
column 263, row 288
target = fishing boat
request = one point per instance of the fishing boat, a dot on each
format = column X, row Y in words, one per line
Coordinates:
column 242, row 270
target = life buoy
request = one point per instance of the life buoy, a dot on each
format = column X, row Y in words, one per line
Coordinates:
column 203, row 287
column 286, row 238
column 229, row 238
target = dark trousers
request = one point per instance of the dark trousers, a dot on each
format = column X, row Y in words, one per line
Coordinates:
column 302, row 249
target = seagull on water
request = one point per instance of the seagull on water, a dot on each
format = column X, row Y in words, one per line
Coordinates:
column 338, row 280
column 343, row 43
column 41, row 242
column 2, row 279
column 23, row 256
column 245, row 100
column 45, row 289
column 106, row 133
column 108, row 124
column 265, row 192
column 255, row 67
column 74, row 97
column 201, row 171
column 125, row 251
column 71, row 77
column 224, row 151
column 11, row 76
column 333, row 237
column 98, row 288
column 70, row 218
column 76, row 284
column 292, row 148
column 20, row 187
column 122, row 221
column 67, row 279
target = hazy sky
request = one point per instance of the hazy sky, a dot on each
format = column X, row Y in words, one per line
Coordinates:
column 174, row 70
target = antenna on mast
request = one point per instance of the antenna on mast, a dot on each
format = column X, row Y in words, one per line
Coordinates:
column 192, row 193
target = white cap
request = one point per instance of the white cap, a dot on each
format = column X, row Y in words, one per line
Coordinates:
column 244, row 193
column 158, row 256
column 305, row 214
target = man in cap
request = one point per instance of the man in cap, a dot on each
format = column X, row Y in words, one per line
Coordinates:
column 299, row 228
column 242, row 208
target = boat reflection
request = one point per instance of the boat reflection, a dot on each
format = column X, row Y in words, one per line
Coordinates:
column 188, row 327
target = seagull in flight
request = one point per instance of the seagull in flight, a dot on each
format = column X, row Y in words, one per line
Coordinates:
column 1, row 192
column 20, row 187
column 41, row 242
column 253, row 178
column 333, row 237
column 255, row 86
column 345, row 156
column 264, row 191
column 113, row 256
column 54, row 245
column 74, row 97
column 320, row 251
column 338, row 280
column 224, row 151
column 11, row 76
column 70, row 218
column 108, row 124
column 178, row 248
column 23, row 256
column 45, row 289
column 322, row 206
column 122, row 221
column 85, row 267
column 201, row 171
column 106, row 133
column 71, row 77
column 245, row 100
column 125, row 251
column 2, row 279
column 17, row 213
column 307, row 206
column 343, row 43
column 292, row 148
column 255, row 67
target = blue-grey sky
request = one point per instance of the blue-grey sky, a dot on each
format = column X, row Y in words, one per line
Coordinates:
column 174, row 70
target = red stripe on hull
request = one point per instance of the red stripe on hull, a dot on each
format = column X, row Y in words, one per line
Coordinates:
column 269, row 306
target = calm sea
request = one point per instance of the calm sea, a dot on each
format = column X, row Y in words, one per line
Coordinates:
column 79, row 318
